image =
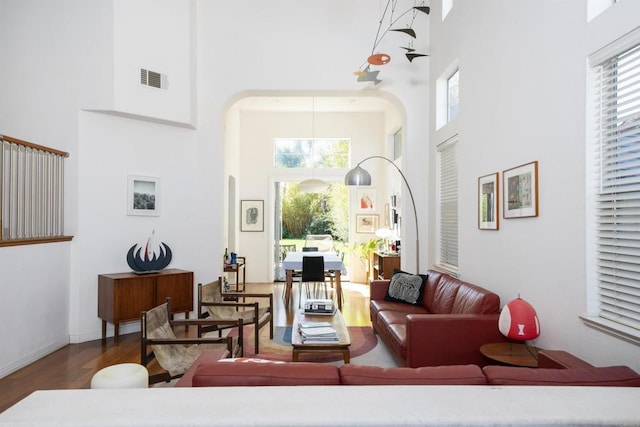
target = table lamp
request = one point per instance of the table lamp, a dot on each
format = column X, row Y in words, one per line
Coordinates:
column 519, row 321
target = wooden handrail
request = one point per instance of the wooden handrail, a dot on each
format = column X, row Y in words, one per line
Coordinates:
column 35, row 146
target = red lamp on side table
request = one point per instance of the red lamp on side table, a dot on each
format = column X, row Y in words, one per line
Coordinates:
column 519, row 321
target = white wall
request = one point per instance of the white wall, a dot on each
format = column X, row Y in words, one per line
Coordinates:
column 523, row 98
column 34, row 280
column 62, row 56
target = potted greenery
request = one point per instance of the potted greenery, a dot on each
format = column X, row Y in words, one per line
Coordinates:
column 363, row 251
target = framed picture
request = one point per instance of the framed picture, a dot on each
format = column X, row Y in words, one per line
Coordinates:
column 366, row 223
column 366, row 199
column 143, row 195
column 251, row 215
column 520, row 187
column 488, row 218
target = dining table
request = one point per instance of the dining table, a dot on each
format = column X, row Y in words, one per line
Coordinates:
column 332, row 263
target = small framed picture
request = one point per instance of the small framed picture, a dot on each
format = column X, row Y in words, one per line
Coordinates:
column 488, row 218
column 251, row 215
column 366, row 223
column 143, row 195
column 520, row 187
column 366, row 199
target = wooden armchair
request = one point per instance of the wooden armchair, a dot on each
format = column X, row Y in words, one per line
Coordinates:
column 176, row 355
column 214, row 304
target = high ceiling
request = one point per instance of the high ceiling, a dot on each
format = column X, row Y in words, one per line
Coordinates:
column 316, row 103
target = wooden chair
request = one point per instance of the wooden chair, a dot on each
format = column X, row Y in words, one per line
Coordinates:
column 214, row 304
column 176, row 355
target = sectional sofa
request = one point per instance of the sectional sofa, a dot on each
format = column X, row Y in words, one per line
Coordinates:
column 558, row 369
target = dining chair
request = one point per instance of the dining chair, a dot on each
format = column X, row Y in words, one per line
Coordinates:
column 310, row 249
column 312, row 272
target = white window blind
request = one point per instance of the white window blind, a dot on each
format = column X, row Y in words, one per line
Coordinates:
column 618, row 195
column 448, row 205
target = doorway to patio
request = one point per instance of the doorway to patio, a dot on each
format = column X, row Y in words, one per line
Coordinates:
column 300, row 214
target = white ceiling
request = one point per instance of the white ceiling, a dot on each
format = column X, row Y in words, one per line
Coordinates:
column 315, row 103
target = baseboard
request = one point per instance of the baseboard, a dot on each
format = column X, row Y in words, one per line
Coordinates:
column 29, row 359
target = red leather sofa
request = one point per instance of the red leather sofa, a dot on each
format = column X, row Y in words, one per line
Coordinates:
column 448, row 328
column 257, row 372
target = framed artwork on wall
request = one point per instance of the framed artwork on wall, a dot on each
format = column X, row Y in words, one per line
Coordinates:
column 251, row 215
column 366, row 199
column 143, row 195
column 366, row 223
column 488, row 195
column 520, row 188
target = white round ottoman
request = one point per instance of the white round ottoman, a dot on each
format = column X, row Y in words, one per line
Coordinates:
column 123, row 375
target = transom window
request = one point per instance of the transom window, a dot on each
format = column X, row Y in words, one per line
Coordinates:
column 311, row 153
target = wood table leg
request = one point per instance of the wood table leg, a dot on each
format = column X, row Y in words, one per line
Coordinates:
column 104, row 331
column 338, row 288
column 287, row 288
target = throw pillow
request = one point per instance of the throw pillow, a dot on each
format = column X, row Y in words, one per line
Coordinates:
column 406, row 288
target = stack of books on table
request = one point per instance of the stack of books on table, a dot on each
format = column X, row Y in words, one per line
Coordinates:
column 317, row 333
column 319, row 306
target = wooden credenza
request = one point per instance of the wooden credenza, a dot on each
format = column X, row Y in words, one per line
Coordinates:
column 383, row 265
column 122, row 296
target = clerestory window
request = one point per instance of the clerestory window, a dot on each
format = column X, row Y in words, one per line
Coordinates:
column 311, row 153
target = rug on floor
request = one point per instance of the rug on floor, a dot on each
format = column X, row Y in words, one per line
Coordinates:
column 363, row 340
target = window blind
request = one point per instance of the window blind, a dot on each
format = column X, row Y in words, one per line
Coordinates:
column 618, row 195
column 448, row 205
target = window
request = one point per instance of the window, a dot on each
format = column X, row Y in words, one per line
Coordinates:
column 311, row 153
column 31, row 193
column 452, row 95
column 447, row 5
column 448, row 207
column 617, row 196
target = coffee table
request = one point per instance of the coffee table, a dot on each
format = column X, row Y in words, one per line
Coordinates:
column 337, row 323
column 514, row 354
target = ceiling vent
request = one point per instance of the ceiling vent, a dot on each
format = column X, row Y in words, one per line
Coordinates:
column 153, row 79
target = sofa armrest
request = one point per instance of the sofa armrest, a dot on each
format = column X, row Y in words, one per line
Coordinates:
column 559, row 359
column 378, row 289
column 449, row 339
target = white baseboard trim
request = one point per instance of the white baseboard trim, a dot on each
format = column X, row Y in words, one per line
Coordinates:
column 29, row 359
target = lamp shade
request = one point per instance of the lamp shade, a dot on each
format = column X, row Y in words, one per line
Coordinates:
column 313, row 186
column 357, row 176
column 519, row 321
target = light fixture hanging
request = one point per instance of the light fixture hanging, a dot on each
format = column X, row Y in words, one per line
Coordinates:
column 313, row 185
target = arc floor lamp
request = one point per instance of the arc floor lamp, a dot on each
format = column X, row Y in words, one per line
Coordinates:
column 359, row 176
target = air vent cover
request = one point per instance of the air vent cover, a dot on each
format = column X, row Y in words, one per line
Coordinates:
column 153, row 79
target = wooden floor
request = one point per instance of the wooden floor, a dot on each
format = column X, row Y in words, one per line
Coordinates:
column 73, row 366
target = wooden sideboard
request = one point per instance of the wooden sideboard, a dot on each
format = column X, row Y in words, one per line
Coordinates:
column 383, row 265
column 122, row 296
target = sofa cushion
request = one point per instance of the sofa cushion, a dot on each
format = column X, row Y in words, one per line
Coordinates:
column 221, row 374
column 611, row 376
column 432, row 375
column 443, row 295
column 472, row 299
column 406, row 288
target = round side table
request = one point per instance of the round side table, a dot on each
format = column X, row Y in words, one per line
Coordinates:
column 514, row 354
